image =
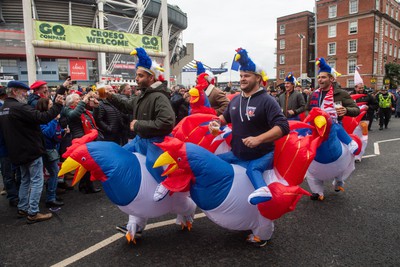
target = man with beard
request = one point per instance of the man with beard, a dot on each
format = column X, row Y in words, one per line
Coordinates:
column 20, row 125
column 292, row 101
column 257, row 121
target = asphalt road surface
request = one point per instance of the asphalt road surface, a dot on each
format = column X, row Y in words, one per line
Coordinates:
column 358, row 227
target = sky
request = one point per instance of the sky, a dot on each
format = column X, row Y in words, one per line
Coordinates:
column 218, row 27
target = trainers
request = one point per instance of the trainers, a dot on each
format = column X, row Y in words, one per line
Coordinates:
column 357, row 160
column 260, row 195
column 54, row 203
column 38, row 217
column 339, row 186
column 316, row 196
column 22, row 214
column 256, row 241
column 3, row 192
column 160, row 193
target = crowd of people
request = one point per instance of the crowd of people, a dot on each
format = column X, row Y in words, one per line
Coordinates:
column 38, row 124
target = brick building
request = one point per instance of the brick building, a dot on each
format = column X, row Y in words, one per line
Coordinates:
column 295, row 33
column 356, row 32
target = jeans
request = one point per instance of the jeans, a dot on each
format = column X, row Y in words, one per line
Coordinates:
column 146, row 147
column 52, row 168
column 9, row 181
column 31, row 186
column 254, row 168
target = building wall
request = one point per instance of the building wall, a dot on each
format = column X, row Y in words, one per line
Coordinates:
column 366, row 36
column 294, row 24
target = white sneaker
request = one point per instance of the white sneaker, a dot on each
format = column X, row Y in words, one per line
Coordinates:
column 260, row 195
column 160, row 193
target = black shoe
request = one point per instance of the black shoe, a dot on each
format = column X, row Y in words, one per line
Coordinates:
column 369, row 130
column 93, row 190
column 22, row 214
column 121, row 228
column 59, row 199
column 386, row 127
column 13, row 202
column 380, row 128
column 64, row 185
column 55, row 203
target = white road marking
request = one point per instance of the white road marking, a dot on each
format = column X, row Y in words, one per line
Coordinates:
column 112, row 239
column 377, row 151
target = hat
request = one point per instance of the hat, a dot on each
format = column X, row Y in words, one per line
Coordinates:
column 357, row 77
column 17, row 84
column 246, row 64
column 273, row 90
column 148, row 65
column 324, row 67
column 290, row 78
column 200, row 70
column 36, row 85
column 75, row 92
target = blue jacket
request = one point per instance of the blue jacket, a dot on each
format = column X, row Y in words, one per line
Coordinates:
column 52, row 133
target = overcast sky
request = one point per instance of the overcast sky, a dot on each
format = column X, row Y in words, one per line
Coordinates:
column 218, row 27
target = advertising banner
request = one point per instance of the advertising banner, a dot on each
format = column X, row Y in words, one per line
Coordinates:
column 56, row 32
column 78, row 69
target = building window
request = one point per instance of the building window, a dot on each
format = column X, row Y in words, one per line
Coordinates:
column 390, row 49
column 352, row 46
column 376, row 45
column 350, row 83
column 332, row 11
column 386, row 29
column 281, row 74
column 282, row 44
column 353, row 6
column 332, row 31
column 387, row 8
column 351, row 63
column 282, row 29
column 397, row 15
column 395, row 35
column 332, row 64
column 395, row 52
column 385, row 47
column 353, row 27
column 282, row 59
column 331, row 49
column 391, row 32
column 375, row 65
column 392, row 13
column 377, row 4
column 377, row 25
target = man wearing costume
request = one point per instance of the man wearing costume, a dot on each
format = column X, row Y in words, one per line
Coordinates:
column 257, row 121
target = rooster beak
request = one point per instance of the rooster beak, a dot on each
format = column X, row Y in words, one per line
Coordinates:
column 134, row 52
column 166, row 159
column 320, row 122
column 70, row 165
column 194, row 93
column 237, row 57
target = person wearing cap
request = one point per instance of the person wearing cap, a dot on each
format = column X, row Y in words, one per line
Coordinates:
column 20, row 125
column 217, row 98
column 327, row 95
column 386, row 104
column 40, row 89
column 257, row 121
column 292, row 102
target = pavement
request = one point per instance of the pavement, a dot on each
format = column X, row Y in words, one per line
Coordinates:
column 358, row 227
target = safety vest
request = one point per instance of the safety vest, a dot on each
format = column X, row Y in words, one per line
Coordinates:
column 385, row 102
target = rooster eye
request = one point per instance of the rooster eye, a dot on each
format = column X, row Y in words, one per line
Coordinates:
column 83, row 159
column 179, row 159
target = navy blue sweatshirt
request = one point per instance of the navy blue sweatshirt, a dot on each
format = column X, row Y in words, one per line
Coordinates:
column 253, row 116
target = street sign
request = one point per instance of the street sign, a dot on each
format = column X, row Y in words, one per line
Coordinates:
column 387, row 81
column 373, row 80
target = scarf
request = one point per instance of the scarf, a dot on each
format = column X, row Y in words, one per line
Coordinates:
column 88, row 122
column 326, row 104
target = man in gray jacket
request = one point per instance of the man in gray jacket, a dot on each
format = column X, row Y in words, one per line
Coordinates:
column 292, row 102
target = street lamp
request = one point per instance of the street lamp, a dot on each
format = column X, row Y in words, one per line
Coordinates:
column 301, row 36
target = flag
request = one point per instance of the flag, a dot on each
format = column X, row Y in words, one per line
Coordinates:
column 357, row 76
column 235, row 64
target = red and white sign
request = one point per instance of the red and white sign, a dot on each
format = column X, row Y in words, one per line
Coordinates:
column 78, row 69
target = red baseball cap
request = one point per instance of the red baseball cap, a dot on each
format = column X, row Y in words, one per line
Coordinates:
column 37, row 84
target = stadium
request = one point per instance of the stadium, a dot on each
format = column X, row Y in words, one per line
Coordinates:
column 107, row 23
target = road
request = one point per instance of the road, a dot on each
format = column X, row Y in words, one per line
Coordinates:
column 358, row 227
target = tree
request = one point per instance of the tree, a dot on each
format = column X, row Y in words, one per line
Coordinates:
column 392, row 71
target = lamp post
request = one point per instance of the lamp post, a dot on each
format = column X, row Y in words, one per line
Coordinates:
column 301, row 36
